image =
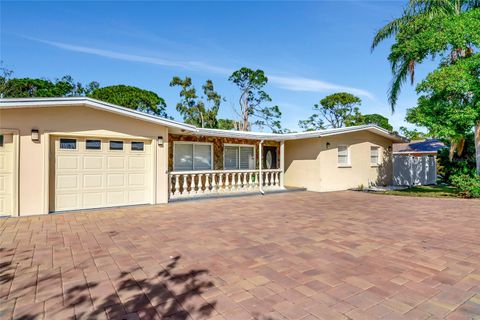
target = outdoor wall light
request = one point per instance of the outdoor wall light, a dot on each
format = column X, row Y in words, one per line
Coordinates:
column 35, row 135
column 328, row 145
column 160, row 140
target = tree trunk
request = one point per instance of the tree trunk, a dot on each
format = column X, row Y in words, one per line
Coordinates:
column 477, row 146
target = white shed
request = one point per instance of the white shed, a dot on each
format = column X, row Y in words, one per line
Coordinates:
column 415, row 163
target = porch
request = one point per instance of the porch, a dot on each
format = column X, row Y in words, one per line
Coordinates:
column 202, row 166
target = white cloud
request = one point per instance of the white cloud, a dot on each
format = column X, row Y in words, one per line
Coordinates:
column 292, row 83
column 295, row 83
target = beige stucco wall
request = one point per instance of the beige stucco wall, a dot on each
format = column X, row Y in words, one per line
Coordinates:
column 81, row 121
column 309, row 164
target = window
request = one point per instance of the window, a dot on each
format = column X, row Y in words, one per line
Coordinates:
column 70, row 144
column 239, row 157
column 1, row 140
column 343, row 155
column 137, row 146
column 192, row 156
column 116, row 145
column 93, row 144
column 374, row 159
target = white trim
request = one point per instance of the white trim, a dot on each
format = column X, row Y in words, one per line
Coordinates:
column 92, row 103
column 348, row 163
column 300, row 135
column 16, row 166
column 193, row 150
column 433, row 153
column 239, row 145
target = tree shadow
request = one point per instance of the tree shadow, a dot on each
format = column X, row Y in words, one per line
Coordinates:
column 168, row 293
column 385, row 170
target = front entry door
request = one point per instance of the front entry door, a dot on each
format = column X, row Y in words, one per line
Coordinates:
column 270, row 157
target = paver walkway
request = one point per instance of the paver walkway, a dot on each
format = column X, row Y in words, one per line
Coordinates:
column 300, row 255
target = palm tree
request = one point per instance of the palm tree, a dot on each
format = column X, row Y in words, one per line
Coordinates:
column 417, row 10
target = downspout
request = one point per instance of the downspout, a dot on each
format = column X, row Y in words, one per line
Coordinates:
column 260, row 164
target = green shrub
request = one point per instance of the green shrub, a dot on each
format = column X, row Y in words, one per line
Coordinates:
column 468, row 185
column 464, row 164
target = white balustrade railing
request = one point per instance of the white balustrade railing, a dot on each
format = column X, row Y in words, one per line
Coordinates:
column 197, row 183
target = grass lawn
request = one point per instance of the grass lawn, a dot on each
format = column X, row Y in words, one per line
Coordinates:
column 425, row 191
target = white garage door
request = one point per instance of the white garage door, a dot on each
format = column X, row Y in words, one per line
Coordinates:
column 94, row 173
column 7, row 171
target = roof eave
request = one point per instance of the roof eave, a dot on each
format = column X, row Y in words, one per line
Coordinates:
column 92, row 103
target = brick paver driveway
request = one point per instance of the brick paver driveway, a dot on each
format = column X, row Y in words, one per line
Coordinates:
column 287, row 256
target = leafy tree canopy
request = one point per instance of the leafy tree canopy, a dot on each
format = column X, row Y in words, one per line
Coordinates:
column 337, row 110
column 427, row 29
column 252, row 100
column 193, row 108
column 226, row 124
column 133, row 98
column 449, row 104
column 413, row 134
column 376, row 119
column 32, row 87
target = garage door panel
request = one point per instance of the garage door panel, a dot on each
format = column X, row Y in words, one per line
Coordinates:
column 136, row 180
column 115, row 180
column 67, row 201
column 70, row 162
column 3, row 184
column 115, row 163
column 89, row 178
column 137, row 163
column 4, row 163
column 92, row 162
column 136, row 196
column 93, row 199
column 69, row 181
column 116, row 198
column 93, row 181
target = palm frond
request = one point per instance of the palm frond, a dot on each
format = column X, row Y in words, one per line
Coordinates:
column 388, row 30
column 400, row 74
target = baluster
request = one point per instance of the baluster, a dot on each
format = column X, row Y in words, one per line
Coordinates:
column 257, row 181
column 214, row 183
column 184, row 184
column 274, row 174
column 279, row 178
column 221, row 183
column 228, row 182
column 207, row 183
column 200, row 183
column 176, row 186
column 194, row 184
column 268, row 178
column 234, row 181
column 244, row 182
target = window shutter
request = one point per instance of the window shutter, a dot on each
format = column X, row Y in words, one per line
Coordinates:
column 202, row 157
column 247, row 160
column 183, row 157
column 231, row 158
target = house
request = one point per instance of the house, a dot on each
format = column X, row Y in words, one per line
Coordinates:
column 415, row 162
column 60, row 154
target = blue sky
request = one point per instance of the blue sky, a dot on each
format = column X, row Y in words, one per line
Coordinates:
column 307, row 49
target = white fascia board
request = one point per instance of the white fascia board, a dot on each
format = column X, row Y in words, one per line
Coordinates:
column 92, row 103
column 414, row 152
